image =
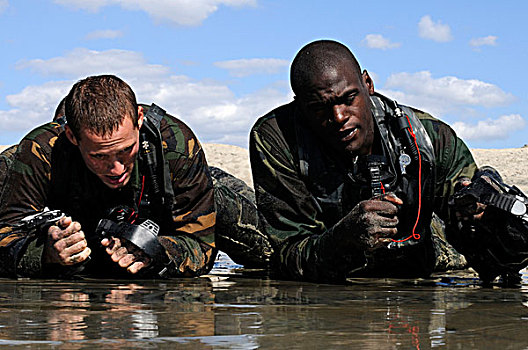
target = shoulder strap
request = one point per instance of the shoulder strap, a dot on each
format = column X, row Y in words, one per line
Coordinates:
column 423, row 139
column 153, row 119
column 151, row 149
column 381, row 111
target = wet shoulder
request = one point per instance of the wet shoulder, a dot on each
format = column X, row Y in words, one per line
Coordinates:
column 281, row 117
column 439, row 132
column 178, row 138
column 42, row 138
column 35, row 149
column 451, row 152
column 276, row 129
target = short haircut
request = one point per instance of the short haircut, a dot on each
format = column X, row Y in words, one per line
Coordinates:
column 315, row 58
column 99, row 104
column 59, row 111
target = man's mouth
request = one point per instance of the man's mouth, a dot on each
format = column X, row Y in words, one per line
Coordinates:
column 117, row 179
column 347, row 135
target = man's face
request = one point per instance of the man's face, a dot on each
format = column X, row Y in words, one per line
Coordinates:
column 336, row 104
column 110, row 157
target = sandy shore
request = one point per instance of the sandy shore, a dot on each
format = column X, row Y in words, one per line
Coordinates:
column 512, row 163
column 233, row 159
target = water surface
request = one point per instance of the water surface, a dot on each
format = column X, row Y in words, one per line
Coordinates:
column 233, row 309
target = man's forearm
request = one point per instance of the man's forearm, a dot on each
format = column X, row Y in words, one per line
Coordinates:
column 321, row 257
column 16, row 257
column 190, row 256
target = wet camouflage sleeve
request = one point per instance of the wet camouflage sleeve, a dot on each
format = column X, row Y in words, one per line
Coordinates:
column 304, row 246
column 25, row 193
column 6, row 158
column 192, row 243
column 453, row 160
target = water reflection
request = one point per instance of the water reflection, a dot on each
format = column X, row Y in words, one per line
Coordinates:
column 234, row 311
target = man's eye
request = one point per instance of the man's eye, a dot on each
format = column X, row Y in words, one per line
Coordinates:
column 128, row 149
column 97, row 156
column 349, row 100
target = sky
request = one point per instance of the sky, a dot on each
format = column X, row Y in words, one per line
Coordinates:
column 219, row 65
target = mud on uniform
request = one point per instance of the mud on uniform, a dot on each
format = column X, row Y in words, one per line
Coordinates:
column 303, row 191
column 48, row 171
column 239, row 225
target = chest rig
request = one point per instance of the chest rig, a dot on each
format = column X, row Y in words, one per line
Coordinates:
column 404, row 165
column 409, row 172
column 155, row 169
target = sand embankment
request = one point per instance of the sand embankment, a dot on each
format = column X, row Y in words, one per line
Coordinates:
column 512, row 163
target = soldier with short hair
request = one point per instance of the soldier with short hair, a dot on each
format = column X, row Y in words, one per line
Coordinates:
column 113, row 166
column 349, row 180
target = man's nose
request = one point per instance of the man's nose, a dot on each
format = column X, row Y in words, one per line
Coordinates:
column 339, row 115
column 116, row 167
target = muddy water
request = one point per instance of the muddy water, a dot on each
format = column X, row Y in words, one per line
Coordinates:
column 234, row 310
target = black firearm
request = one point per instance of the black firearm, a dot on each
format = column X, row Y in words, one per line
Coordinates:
column 487, row 188
column 38, row 224
column 496, row 244
column 41, row 221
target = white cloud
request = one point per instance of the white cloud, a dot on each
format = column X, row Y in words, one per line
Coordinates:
column 182, row 12
column 3, row 5
column 211, row 109
column 83, row 62
column 246, row 67
column 490, row 129
column 231, row 120
column 443, row 94
column 457, row 97
column 428, row 29
column 377, row 41
column 104, row 34
column 33, row 105
column 489, row 40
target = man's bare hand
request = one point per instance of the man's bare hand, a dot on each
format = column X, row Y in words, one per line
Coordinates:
column 125, row 255
column 375, row 221
column 66, row 243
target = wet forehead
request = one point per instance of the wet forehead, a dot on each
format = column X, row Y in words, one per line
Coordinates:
column 124, row 136
column 333, row 82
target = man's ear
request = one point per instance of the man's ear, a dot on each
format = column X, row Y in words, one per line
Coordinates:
column 141, row 116
column 70, row 136
column 368, row 82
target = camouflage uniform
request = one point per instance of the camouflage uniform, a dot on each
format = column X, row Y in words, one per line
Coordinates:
column 6, row 158
column 239, row 231
column 303, row 191
column 48, row 171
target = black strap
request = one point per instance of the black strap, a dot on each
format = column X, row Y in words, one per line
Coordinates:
column 152, row 148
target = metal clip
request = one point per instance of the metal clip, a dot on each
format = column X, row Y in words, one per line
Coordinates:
column 405, row 160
